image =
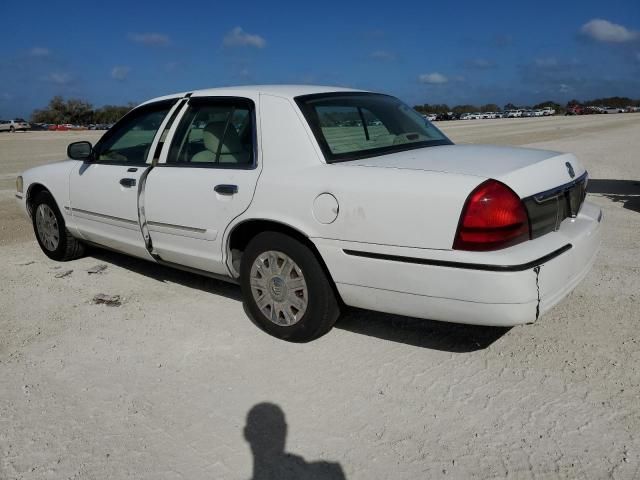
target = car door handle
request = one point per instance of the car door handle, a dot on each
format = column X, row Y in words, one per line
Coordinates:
column 226, row 189
column 128, row 182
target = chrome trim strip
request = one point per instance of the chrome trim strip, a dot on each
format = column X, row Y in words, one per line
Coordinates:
column 557, row 191
column 101, row 215
column 177, row 227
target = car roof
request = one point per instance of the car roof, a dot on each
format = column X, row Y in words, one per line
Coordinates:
column 288, row 91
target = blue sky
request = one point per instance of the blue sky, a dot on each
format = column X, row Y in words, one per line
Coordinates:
column 423, row 52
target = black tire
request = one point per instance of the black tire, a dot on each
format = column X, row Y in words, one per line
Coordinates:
column 322, row 308
column 68, row 247
column 12, row 129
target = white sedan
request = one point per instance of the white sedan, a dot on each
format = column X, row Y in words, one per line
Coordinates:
column 14, row 125
column 313, row 198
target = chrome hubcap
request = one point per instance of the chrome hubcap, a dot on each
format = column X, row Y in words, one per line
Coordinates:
column 279, row 288
column 47, row 226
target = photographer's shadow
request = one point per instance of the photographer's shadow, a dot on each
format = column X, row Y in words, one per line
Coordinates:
column 266, row 432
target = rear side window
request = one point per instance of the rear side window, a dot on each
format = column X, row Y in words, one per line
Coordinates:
column 215, row 133
column 350, row 126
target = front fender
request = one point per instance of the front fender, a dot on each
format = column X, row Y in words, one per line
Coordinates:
column 53, row 177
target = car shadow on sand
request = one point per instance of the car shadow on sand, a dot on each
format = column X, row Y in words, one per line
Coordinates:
column 430, row 334
column 166, row 274
column 449, row 337
column 626, row 192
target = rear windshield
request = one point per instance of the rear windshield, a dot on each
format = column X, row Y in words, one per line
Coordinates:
column 349, row 126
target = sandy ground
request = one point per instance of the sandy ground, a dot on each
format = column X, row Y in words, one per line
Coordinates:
column 161, row 386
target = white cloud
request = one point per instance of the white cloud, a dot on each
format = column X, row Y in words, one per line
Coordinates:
column 239, row 38
column 434, row 78
column 120, row 72
column 605, row 31
column 382, row 55
column 547, row 62
column 39, row 52
column 58, row 78
column 150, row 39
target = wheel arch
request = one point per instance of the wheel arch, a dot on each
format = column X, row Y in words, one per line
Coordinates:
column 33, row 190
column 242, row 233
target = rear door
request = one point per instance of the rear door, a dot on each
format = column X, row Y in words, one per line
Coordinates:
column 104, row 192
column 207, row 179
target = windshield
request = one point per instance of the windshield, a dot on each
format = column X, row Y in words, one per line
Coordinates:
column 350, row 126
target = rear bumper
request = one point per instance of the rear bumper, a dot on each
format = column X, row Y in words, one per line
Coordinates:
column 468, row 287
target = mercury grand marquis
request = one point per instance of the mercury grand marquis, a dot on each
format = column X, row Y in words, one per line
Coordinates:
column 316, row 198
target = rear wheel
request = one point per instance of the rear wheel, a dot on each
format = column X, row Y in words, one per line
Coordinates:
column 12, row 129
column 285, row 289
column 53, row 237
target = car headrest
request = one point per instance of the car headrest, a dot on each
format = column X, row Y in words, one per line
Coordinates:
column 213, row 134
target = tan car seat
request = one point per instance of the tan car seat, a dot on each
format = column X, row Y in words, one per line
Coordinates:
column 231, row 151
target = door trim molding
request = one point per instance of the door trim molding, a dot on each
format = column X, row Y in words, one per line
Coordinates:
column 101, row 217
column 182, row 230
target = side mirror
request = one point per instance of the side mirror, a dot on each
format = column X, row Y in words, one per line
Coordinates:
column 80, row 151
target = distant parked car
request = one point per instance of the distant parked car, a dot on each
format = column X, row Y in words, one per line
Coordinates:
column 548, row 111
column 513, row 114
column 447, row 116
column 612, row 110
column 14, row 125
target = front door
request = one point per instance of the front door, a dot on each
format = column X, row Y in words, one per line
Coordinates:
column 208, row 179
column 104, row 192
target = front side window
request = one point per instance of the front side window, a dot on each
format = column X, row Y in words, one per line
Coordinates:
column 130, row 140
column 214, row 133
column 349, row 126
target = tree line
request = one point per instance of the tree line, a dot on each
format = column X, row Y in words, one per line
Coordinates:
column 81, row 112
column 492, row 107
column 78, row 112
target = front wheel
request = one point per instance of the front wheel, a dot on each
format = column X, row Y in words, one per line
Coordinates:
column 53, row 237
column 285, row 289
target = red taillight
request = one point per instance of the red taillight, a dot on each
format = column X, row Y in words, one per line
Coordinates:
column 494, row 217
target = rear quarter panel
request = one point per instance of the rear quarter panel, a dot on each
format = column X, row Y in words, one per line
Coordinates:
column 376, row 205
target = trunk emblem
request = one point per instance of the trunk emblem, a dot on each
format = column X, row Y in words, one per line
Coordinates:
column 572, row 173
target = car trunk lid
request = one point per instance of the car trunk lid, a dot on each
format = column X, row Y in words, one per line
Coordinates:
column 526, row 171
